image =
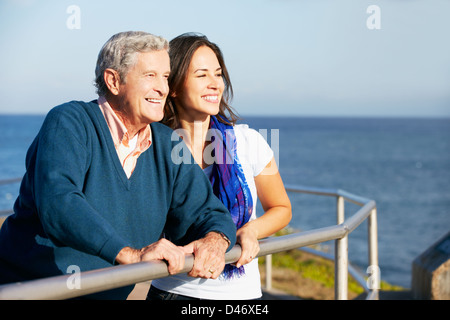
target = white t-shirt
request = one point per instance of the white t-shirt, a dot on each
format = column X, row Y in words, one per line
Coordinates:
column 254, row 154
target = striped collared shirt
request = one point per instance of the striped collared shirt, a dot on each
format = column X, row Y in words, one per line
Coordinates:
column 127, row 149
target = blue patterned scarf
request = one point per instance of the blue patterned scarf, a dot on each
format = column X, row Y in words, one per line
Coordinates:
column 229, row 183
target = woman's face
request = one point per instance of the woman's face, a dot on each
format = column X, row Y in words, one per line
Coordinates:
column 203, row 88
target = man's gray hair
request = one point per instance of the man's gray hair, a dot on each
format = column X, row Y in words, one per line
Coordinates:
column 120, row 51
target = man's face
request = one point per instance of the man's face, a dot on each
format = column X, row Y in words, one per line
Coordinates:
column 143, row 95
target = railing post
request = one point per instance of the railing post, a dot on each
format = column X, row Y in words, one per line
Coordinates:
column 374, row 280
column 341, row 257
column 269, row 272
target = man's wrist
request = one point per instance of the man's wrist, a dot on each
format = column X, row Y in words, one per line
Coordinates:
column 223, row 236
column 127, row 255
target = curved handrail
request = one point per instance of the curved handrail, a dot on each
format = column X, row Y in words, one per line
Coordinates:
column 368, row 211
column 5, row 213
column 9, row 181
column 328, row 192
column 122, row 275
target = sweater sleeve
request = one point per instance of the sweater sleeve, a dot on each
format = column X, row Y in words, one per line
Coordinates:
column 62, row 162
column 195, row 210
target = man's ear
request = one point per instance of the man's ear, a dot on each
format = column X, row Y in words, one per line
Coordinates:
column 112, row 81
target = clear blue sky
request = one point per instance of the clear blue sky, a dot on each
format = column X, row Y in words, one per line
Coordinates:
column 285, row 57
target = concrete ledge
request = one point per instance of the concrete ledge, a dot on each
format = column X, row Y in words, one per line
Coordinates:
column 431, row 272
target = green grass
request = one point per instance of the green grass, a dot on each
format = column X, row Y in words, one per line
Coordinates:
column 316, row 268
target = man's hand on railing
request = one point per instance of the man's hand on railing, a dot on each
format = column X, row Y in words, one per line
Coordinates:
column 160, row 250
column 209, row 255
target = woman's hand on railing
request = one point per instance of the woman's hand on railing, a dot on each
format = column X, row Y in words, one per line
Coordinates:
column 247, row 238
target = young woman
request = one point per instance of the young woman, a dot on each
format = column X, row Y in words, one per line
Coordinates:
column 243, row 168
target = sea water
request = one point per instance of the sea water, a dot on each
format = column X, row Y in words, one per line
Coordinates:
column 402, row 164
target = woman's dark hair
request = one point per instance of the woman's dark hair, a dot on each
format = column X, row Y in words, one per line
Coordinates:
column 181, row 50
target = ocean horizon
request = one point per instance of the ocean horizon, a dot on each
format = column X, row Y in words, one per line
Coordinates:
column 403, row 163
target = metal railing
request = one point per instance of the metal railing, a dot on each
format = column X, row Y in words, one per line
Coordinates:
column 117, row 276
column 367, row 211
column 4, row 213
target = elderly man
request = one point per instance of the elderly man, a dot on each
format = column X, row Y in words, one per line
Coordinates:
column 100, row 187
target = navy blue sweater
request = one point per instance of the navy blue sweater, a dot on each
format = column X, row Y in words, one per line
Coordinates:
column 77, row 207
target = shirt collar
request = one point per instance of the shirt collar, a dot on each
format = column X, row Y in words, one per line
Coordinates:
column 118, row 130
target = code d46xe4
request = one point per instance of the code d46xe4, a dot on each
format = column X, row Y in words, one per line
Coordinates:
column 247, row 309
